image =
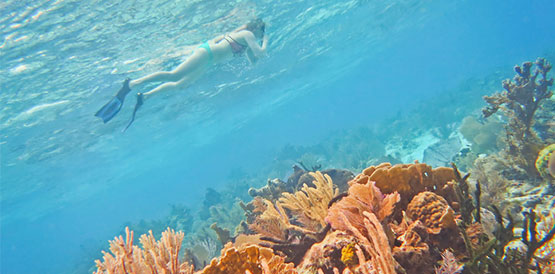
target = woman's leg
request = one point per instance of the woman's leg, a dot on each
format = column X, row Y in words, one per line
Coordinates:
column 197, row 60
column 181, row 84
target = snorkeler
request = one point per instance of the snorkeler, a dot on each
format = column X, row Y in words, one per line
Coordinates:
column 236, row 43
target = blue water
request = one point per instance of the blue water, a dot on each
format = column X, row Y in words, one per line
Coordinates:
column 69, row 182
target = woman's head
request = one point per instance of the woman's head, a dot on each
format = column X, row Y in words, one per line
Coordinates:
column 257, row 27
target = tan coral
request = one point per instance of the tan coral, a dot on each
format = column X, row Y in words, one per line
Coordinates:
column 157, row 256
column 407, row 179
column 309, row 207
column 310, row 204
column 273, row 222
column 432, row 210
column 360, row 198
column 249, row 259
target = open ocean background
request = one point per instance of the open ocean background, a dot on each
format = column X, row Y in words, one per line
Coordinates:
column 69, row 182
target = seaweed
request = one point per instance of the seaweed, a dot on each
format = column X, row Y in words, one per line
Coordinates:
column 462, row 191
column 494, row 256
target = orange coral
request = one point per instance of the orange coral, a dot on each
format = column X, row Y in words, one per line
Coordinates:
column 375, row 243
column 407, row 179
column 432, row 210
column 360, row 198
column 157, row 256
column 250, row 259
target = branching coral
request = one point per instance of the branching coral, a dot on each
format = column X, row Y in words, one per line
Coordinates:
column 360, row 198
column 310, row 204
column 519, row 103
column 156, row 257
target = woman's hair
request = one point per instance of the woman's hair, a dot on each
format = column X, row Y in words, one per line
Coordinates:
column 255, row 24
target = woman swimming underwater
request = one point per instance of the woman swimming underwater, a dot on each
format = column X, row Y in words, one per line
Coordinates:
column 242, row 40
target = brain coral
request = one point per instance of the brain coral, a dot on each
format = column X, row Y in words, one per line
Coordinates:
column 432, row 210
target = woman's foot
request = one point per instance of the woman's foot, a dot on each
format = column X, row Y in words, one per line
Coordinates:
column 124, row 90
column 140, row 101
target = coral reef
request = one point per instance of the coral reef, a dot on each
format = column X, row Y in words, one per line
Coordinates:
column 402, row 218
column 155, row 257
column 519, row 102
column 357, row 232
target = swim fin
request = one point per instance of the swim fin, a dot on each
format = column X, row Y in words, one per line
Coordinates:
column 110, row 109
column 140, row 100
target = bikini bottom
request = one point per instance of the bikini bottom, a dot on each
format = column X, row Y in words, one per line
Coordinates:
column 206, row 46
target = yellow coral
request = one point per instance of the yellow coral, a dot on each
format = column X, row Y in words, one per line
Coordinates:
column 157, row 256
column 545, row 163
column 348, row 255
column 310, row 204
column 432, row 210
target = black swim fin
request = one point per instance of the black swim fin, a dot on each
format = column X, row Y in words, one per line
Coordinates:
column 110, row 109
column 140, row 100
